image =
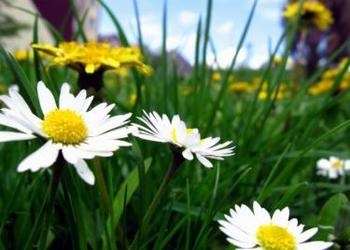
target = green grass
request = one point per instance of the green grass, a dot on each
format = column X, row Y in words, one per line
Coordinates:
column 277, row 145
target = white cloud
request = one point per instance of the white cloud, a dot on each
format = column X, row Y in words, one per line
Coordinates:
column 226, row 27
column 188, row 18
column 271, row 1
column 274, row 15
column 258, row 60
column 151, row 31
column 183, row 44
column 174, row 42
column 224, row 1
column 224, row 57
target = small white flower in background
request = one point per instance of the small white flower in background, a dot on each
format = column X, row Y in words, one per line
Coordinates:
column 256, row 229
column 161, row 129
column 333, row 168
column 73, row 129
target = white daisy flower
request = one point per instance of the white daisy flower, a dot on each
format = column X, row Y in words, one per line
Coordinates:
column 333, row 167
column 70, row 128
column 256, row 229
column 161, row 129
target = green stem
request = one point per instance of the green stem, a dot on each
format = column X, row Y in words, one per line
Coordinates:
column 94, row 80
column 92, row 83
column 57, row 173
column 303, row 37
column 173, row 167
column 101, row 184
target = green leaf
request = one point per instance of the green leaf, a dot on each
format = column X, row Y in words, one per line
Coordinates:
column 329, row 214
column 21, row 79
column 330, row 211
column 122, row 198
column 290, row 193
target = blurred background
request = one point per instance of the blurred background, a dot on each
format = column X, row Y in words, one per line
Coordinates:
column 228, row 19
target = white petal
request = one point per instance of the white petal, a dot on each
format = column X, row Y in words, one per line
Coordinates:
column 315, row 245
column 94, row 144
column 32, row 123
column 46, row 99
column 66, row 98
column 79, row 101
column 261, row 214
column 111, row 123
column 187, row 154
column 86, row 104
column 293, row 225
column 14, row 136
column 84, row 172
column 149, row 137
column 307, row 234
column 12, row 123
column 323, row 164
column 255, row 248
column 69, row 154
column 204, row 161
column 42, row 158
column 333, row 159
column 118, row 133
column 281, row 217
column 237, row 243
column 234, row 232
column 333, row 174
column 19, row 111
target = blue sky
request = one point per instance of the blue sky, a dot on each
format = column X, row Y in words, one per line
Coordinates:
column 228, row 20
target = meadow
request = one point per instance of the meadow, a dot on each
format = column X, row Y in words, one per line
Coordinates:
column 147, row 195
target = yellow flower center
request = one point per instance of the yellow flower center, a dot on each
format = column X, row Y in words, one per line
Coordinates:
column 173, row 134
column 65, row 126
column 273, row 237
column 189, row 130
column 337, row 164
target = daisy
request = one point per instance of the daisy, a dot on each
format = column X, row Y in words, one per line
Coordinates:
column 333, row 167
column 161, row 129
column 70, row 128
column 256, row 229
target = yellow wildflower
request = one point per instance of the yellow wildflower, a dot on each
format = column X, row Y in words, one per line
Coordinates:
column 313, row 13
column 344, row 85
column 240, row 87
column 321, row 87
column 185, row 90
column 132, row 99
column 22, row 54
column 93, row 56
column 216, row 76
column 330, row 73
column 277, row 60
column 281, row 94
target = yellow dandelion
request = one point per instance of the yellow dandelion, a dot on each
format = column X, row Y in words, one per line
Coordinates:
column 92, row 57
column 132, row 99
column 278, row 95
column 330, row 73
column 216, row 76
column 321, row 87
column 185, row 90
column 344, row 85
column 277, row 60
column 240, row 87
column 22, row 54
column 313, row 14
